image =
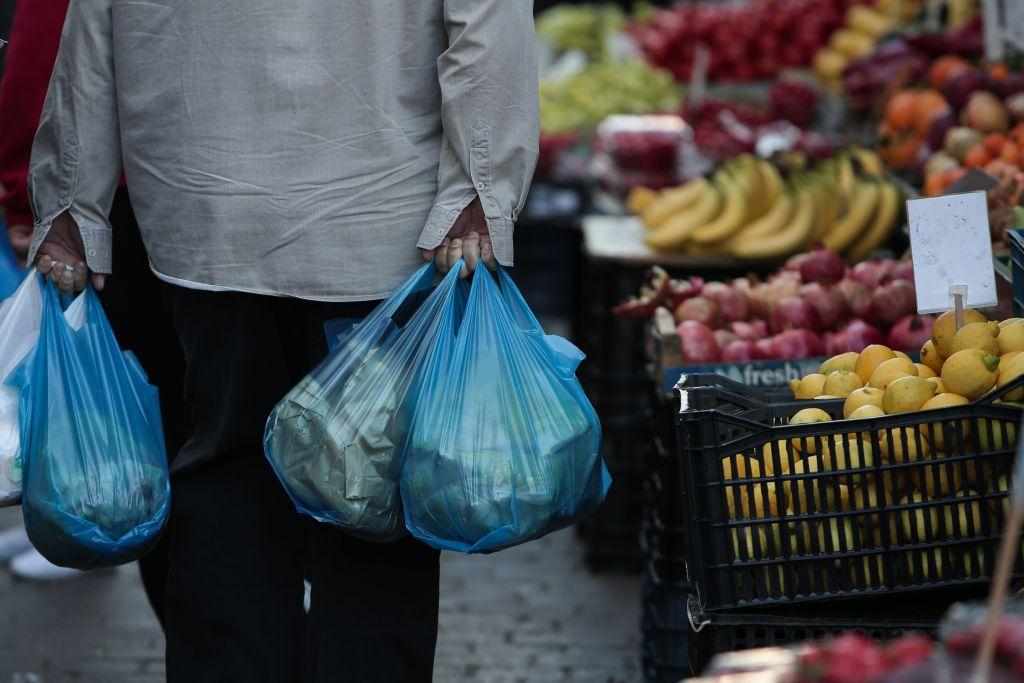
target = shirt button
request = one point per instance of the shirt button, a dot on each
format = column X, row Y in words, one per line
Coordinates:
column 481, row 186
column 92, row 252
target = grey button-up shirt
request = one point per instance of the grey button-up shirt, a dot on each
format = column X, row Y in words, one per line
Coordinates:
column 300, row 147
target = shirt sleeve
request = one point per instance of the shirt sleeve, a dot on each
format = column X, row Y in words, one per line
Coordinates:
column 489, row 93
column 76, row 155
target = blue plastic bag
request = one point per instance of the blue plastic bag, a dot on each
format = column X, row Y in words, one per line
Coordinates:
column 96, row 486
column 504, row 446
column 335, row 439
column 11, row 272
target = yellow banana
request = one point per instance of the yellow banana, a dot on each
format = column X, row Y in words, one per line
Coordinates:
column 640, row 199
column 828, row 209
column 829, row 64
column 845, row 175
column 851, row 43
column 881, row 225
column 869, row 161
column 732, row 218
column 772, row 222
column 671, row 202
column 774, row 185
column 860, row 209
column 677, row 230
column 786, row 241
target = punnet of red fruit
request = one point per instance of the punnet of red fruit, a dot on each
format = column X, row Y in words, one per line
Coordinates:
column 814, row 306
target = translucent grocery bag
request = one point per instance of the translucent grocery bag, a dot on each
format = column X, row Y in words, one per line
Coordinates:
column 20, row 316
column 504, row 445
column 334, row 440
column 96, row 486
column 11, row 272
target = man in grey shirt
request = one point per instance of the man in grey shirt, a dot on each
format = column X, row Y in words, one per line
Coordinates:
column 285, row 161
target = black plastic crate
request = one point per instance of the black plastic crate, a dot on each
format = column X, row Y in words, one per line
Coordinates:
column 876, row 511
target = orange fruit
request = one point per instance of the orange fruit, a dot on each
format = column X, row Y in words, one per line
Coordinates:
column 999, row 71
column 1010, row 153
column 901, row 112
column 994, row 143
column 945, row 69
column 977, row 156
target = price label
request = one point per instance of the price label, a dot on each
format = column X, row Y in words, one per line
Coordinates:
column 952, row 247
column 1013, row 13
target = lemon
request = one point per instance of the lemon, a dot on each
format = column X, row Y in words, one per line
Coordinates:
column 977, row 336
column 808, row 416
column 844, row 361
column 1011, row 337
column 862, row 397
column 889, row 371
column 1010, row 368
column 930, row 356
column 970, row 373
column 901, row 445
column 907, row 394
column 940, row 388
column 870, row 358
column 847, row 452
column 936, row 432
column 768, row 458
column 808, row 386
column 924, row 371
column 944, row 330
column 866, row 411
column 1010, row 321
column 841, row 383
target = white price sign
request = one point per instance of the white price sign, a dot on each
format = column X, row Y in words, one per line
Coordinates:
column 950, row 240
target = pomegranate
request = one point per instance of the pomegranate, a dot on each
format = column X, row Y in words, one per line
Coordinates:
column 698, row 342
column 725, row 337
column 764, row 349
column 857, row 296
column 891, row 302
column 739, row 351
column 836, row 343
column 822, row 265
column 796, row 262
column 871, row 273
column 797, row 344
column 903, row 270
column 793, row 313
column 910, row 332
column 750, row 331
column 681, row 290
column 860, row 334
column 828, row 303
column 700, row 309
column 732, row 303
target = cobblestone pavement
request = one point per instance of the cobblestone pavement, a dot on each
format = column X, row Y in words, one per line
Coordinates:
column 527, row 615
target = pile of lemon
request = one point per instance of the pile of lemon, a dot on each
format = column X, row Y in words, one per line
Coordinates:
column 956, row 368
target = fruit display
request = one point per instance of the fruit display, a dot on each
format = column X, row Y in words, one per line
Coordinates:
column 815, row 306
column 745, row 41
column 747, row 210
column 583, row 28
column 580, row 102
column 857, row 38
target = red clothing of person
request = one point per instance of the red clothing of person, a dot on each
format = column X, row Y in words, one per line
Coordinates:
column 35, row 37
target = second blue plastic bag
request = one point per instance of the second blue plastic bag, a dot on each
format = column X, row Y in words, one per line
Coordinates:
column 335, row 440
column 96, row 487
column 504, row 446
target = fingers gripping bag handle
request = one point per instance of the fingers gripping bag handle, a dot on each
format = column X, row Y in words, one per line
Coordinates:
column 504, row 448
column 334, row 440
column 96, row 486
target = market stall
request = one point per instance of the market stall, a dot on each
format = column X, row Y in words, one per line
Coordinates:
column 748, row 257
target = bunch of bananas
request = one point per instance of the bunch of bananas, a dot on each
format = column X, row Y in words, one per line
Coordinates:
column 747, row 211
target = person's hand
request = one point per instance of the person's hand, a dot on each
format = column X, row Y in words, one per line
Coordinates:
column 61, row 256
column 468, row 239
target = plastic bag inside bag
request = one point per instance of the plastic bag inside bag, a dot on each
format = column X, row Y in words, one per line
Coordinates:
column 96, row 486
column 20, row 316
column 504, row 445
column 334, row 440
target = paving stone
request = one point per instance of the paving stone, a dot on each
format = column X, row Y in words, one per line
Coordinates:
column 526, row 615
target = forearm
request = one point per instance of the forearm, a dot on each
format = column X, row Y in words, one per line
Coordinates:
column 489, row 88
column 76, row 155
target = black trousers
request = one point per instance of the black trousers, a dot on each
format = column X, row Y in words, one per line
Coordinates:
column 139, row 313
column 238, row 550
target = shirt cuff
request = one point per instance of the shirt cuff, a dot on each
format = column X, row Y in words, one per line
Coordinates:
column 443, row 216
column 96, row 240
